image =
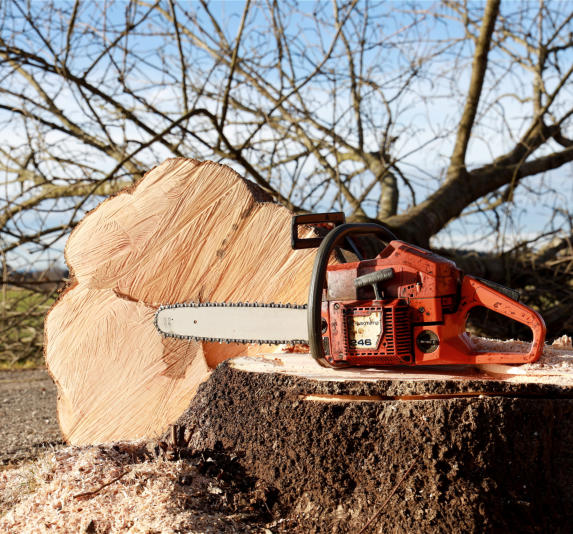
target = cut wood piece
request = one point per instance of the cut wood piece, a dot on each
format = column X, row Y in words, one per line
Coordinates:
column 188, row 231
column 112, row 370
column 419, row 450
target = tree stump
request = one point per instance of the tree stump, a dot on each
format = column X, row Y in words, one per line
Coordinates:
column 188, row 231
column 365, row 450
column 352, row 450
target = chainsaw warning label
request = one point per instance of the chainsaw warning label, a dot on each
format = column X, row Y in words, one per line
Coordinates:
column 364, row 331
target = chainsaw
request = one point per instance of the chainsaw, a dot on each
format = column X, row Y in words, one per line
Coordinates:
column 406, row 306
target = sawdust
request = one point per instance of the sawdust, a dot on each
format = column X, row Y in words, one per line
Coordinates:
column 555, row 364
column 558, row 355
column 120, row 488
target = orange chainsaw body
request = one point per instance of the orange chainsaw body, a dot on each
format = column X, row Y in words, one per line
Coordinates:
column 415, row 317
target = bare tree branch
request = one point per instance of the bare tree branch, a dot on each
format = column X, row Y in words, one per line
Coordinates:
column 457, row 161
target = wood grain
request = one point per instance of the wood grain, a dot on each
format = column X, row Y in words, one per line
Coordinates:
column 187, row 231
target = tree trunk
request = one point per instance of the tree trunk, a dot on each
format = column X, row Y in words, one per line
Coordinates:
column 447, row 450
column 188, row 231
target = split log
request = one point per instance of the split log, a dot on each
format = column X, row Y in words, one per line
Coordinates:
column 188, row 231
column 365, row 450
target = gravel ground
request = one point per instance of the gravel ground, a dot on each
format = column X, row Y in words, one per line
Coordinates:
column 28, row 420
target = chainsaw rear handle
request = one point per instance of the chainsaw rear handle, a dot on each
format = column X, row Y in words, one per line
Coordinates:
column 318, row 279
column 475, row 293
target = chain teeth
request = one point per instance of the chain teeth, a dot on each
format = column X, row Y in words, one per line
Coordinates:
column 192, row 304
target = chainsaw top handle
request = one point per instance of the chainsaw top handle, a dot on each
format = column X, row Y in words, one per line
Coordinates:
column 318, row 278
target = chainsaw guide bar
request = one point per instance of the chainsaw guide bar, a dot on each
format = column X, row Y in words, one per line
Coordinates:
column 240, row 322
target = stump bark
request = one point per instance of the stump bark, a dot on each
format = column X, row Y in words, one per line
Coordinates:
column 188, row 231
column 444, row 450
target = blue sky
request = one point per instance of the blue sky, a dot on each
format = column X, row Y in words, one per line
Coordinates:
column 418, row 117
